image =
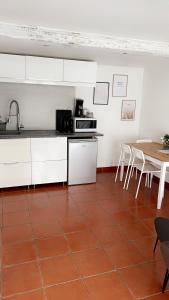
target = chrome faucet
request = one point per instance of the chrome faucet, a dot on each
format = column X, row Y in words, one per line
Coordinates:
column 17, row 113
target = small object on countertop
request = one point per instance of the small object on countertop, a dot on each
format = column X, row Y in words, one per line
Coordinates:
column 89, row 114
column 2, row 125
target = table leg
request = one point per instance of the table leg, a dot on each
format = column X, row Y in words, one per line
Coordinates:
column 161, row 186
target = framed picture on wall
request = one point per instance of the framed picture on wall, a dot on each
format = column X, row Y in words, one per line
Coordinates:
column 128, row 108
column 119, row 87
column 101, row 93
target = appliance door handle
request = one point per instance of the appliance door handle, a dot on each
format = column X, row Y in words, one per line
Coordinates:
column 83, row 141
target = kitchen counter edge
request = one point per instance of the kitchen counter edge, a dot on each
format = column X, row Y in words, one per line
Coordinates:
column 46, row 134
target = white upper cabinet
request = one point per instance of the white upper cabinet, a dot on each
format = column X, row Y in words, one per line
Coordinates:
column 12, row 68
column 80, row 71
column 44, row 69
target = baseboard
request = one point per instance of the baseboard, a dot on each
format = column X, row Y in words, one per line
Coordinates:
column 114, row 168
column 106, row 170
column 111, row 169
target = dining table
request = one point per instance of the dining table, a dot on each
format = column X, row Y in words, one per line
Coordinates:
column 155, row 153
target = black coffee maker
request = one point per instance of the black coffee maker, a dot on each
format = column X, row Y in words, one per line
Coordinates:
column 64, row 121
column 79, row 108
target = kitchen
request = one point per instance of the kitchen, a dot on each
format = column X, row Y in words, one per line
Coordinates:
column 85, row 239
column 38, row 103
column 50, row 164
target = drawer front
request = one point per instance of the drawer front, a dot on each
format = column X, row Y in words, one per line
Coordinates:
column 12, row 67
column 49, row 171
column 15, row 150
column 15, row 174
column 44, row 149
column 44, row 69
column 80, row 71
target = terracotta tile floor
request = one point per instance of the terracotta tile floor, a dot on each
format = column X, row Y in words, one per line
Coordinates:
column 87, row 242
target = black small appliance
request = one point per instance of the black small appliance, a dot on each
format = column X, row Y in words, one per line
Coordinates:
column 64, row 121
column 79, row 108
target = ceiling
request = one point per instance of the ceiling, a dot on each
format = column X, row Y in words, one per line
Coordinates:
column 136, row 19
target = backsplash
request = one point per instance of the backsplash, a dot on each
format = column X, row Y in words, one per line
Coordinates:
column 37, row 103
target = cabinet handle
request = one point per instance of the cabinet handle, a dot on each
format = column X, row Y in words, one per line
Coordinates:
column 11, row 163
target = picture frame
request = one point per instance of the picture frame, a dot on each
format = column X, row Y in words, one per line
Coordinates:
column 101, row 93
column 128, row 109
column 119, row 86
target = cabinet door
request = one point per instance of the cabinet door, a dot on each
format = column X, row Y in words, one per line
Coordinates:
column 15, row 174
column 43, row 149
column 44, row 69
column 80, row 71
column 15, row 150
column 49, row 171
column 12, row 67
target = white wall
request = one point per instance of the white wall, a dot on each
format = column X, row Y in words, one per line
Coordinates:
column 154, row 121
column 37, row 103
column 109, row 116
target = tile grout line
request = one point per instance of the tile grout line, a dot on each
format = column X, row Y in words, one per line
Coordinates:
column 22, row 293
column 37, row 260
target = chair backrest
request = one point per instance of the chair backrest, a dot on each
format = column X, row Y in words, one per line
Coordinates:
column 138, row 154
column 162, row 228
column 144, row 141
column 126, row 152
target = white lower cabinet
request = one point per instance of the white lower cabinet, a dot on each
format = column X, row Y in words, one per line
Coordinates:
column 44, row 149
column 15, row 174
column 49, row 160
column 32, row 161
column 15, row 150
column 15, row 162
column 49, row 171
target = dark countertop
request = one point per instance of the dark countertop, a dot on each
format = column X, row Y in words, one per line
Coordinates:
column 12, row 134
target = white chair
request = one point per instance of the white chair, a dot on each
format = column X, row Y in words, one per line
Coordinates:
column 147, row 176
column 144, row 166
column 125, row 159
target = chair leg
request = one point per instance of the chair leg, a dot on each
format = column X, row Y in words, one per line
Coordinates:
column 149, row 175
column 155, row 245
column 128, row 168
column 151, row 179
column 117, row 173
column 146, row 181
column 129, row 177
column 132, row 172
column 165, row 281
column 119, row 163
column 138, row 185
